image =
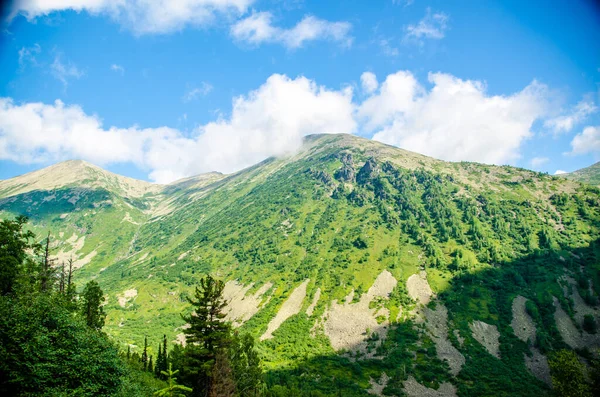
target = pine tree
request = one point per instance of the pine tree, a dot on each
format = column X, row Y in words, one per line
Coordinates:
column 144, row 358
column 207, row 334
column 150, row 365
column 173, row 389
column 128, row 352
column 91, row 307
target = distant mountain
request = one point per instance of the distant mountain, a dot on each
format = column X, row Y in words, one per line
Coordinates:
column 589, row 174
column 359, row 267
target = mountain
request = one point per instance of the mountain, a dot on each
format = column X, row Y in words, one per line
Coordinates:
column 589, row 174
column 359, row 267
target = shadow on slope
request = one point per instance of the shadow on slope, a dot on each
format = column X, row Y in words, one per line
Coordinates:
column 485, row 295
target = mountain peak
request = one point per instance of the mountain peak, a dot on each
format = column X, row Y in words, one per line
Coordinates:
column 78, row 173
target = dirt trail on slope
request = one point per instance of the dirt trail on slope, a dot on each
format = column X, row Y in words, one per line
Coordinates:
column 346, row 324
column 291, row 306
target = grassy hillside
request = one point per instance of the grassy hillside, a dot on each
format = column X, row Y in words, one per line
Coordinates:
column 370, row 266
column 589, row 175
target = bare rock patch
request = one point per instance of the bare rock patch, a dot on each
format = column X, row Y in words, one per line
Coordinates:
column 487, row 335
column 414, row 389
column 240, row 308
column 311, row 308
column 522, row 324
column 291, row 306
column 419, row 289
column 437, row 326
column 348, row 325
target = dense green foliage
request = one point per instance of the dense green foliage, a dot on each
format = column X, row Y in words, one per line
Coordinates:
column 339, row 213
column 50, row 347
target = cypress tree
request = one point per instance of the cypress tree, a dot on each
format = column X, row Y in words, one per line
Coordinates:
column 150, row 366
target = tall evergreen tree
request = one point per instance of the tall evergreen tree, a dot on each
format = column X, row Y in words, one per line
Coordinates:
column 150, row 365
column 144, row 358
column 91, row 307
column 207, row 334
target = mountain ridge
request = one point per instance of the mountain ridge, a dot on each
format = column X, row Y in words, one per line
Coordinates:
column 352, row 253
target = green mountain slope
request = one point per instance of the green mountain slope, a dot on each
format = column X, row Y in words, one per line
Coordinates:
column 589, row 174
column 359, row 266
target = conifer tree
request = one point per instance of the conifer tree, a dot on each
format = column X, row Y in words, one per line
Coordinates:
column 144, row 358
column 173, row 389
column 207, row 334
column 150, row 365
column 91, row 307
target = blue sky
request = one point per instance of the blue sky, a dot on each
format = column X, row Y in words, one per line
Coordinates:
column 180, row 88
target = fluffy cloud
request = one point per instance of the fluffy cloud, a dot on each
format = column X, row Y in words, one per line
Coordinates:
column 369, row 82
column 432, row 26
column 269, row 121
column 588, row 141
column 141, row 16
column 560, row 172
column 455, row 119
column 258, row 28
column 578, row 114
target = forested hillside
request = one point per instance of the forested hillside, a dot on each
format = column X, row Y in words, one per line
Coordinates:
column 358, row 267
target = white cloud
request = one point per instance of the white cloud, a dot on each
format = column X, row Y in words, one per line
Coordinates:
column 64, row 72
column 141, row 16
column 269, row 121
column 194, row 92
column 588, row 141
column 432, row 26
column 258, row 28
column 117, row 68
column 28, row 55
column 560, row 172
column 576, row 115
column 538, row 161
column 369, row 82
column 455, row 119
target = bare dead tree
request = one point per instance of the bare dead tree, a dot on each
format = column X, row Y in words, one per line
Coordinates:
column 46, row 267
column 61, row 286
